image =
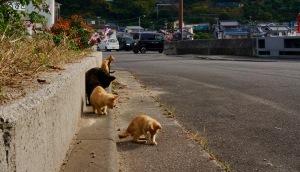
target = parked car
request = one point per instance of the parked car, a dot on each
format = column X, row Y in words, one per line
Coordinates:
column 149, row 42
column 108, row 45
column 125, row 43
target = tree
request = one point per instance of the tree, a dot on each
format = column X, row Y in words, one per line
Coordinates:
column 11, row 21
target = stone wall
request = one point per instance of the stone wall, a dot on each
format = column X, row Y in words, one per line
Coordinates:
column 238, row 47
column 36, row 131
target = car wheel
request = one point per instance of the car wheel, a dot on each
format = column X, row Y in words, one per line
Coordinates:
column 117, row 50
column 135, row 51
column 143, row 50
column 160, row 51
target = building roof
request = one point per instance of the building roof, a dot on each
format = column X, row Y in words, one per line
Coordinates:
column 228, row 23
column 277, row 28
column 134, row 27
column 96, row 26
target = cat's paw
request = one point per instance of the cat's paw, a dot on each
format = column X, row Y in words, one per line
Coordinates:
column 151, row 143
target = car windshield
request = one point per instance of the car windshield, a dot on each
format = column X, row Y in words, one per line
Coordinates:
column 112, row 40
column 128, row 40
column 159, row 37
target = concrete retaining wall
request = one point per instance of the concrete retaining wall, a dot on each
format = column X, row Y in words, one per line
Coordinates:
column 238, row 47
column 36, row 131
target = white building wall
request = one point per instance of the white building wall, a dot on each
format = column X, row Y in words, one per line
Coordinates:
column 49, row 17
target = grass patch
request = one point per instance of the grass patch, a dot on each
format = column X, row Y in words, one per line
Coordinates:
column 26, row 57
column 201, row 139
column 1, row 94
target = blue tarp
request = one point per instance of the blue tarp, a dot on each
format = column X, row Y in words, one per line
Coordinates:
column 235, row 32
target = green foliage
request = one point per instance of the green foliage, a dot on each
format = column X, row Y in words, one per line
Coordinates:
column 11, row 21
column 36, row 18
column 123, row 12
column 202, row 35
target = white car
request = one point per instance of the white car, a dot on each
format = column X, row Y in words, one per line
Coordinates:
column 108, row 45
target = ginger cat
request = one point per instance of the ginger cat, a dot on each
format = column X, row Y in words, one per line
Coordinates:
column 106, row 63
column 142, row 125
column 100, row 100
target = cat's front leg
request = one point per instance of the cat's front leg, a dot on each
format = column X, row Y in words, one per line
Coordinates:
column 105, row 110
column 153, row 142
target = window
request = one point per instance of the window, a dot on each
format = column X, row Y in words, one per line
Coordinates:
column 264, row 53
column 291, row 43
column 261, row 43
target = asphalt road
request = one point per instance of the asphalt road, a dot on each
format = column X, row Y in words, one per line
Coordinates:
column 247, row 109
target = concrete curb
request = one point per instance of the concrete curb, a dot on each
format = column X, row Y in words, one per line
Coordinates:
column 94, row 147
column 37, row 130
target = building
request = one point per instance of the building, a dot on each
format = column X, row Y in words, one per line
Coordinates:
column 285, row 46
column 226, row 29
column 130, row 29
column 51, row 17
column 272, row 29
column 176, row 25
column 202, row 26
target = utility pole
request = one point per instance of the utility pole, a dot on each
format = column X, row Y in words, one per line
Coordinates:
column 140, row 25
column 180, row 14
column 99, row 18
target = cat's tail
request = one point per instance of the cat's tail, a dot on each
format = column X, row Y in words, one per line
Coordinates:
column 123, row 135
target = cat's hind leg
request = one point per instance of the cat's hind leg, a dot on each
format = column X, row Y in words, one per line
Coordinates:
column 146, row 134
column 137, row 140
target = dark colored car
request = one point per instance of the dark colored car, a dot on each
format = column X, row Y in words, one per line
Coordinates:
column 149, row 42
column 125, row 43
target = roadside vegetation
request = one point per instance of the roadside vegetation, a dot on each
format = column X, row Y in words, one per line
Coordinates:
column 195, row 11
column 22, row 56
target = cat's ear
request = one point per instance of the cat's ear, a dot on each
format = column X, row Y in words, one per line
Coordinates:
column 113, row 98
column 112, row 58
column 116, row 97
column 111, row 78
column 158, row 126
column 150, row 126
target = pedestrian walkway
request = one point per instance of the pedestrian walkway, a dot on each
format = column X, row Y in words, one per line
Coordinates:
column 96, row 147
column 174, row 150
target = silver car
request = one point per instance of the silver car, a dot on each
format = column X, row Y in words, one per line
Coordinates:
column 109, row 44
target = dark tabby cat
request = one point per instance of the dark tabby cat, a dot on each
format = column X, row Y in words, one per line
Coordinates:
column 96, row 77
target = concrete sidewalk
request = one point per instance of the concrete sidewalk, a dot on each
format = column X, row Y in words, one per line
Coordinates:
column 175, row 150
column 96, row 147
